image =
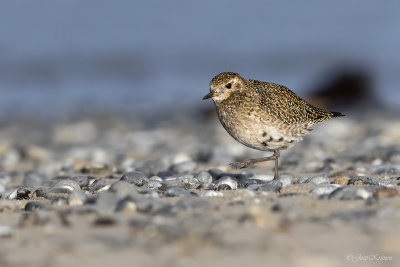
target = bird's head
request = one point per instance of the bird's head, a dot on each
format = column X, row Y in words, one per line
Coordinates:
column 223, row 85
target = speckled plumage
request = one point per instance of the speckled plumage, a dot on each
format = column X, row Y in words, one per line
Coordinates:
column 262, row 115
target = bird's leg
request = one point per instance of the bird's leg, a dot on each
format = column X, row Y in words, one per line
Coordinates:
column 249, row 162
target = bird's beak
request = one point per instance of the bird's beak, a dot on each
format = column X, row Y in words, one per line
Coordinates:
column 209, row 95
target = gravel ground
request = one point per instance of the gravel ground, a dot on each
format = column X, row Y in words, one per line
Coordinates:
column 106, row 190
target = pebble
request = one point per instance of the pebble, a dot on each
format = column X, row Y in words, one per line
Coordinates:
column 386, row 193
column 41, row 192
column 319, row 179
column 126, row 206
column 387, row 170
column 24, row 193
column 216, row 173
column 83, row 180
column 153, row 167
column 204, row 177
column 350, row 193
column 324, row 189
column 273, row 187
column 11, row 194
column 65, row 186
column 285, row 179
column 148, row 192
column 154, row 184
column 187, row 182
column 97, row 185
column 123, row 189
column 177, row 192
column 137, row 178
column 226, row 183
column 262, row 177
column 345, row 173
column 77, row 198
column 183, row 167
column 34, row 205
column 211, row 193
column 362, row 180
column 106, row 203
column 341, row 180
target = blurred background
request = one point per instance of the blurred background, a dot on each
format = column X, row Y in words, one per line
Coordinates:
column 60, row 57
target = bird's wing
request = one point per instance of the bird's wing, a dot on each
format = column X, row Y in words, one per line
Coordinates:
column 280, row 102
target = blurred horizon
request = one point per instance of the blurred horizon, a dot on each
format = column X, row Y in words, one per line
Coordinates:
column 62, row 56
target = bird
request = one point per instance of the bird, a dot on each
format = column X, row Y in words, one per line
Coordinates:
column 262, row 115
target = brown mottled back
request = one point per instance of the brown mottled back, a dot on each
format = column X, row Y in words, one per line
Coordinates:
column 280, row 102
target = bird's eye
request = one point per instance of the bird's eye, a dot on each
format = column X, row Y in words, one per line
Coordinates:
column 229, row 85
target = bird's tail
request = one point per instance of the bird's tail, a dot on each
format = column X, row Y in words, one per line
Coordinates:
column 336, row 115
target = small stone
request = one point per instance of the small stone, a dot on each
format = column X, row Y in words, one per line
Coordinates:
column 362, row 180
column 177, row 192
column 387, row 170
column 262, row 177
column 344, row 173
column 216, row 173
column 11, row 194
column 97, row 184
column 136, row 178
column 126, row 206
column 106, row 203
column 83, row 180
column 77, row 198
column 123, row 189
column 211, row 193
column 274, row 187
column 204, row 177
column 386, row 193
column 65, row 186
column 34, row 205
column 226, row 183
column 148, row 192
column 183, row 167
column 319, row 179
column 154, row 184
column 24, row 193
column 41, row 192
column 341, row 180
column 153, row 167
column 187, row 182
column 324, row 189
column 253, row 187
column 350, row 193
column 285, row 179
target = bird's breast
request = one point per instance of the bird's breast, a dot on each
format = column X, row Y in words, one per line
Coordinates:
column 256, row 132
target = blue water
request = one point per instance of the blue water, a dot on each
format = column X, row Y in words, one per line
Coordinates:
column 58, row 56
